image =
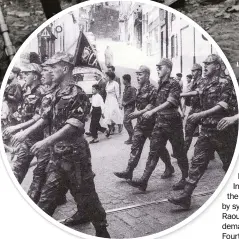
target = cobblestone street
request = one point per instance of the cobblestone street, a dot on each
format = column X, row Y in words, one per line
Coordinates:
column 130, row 212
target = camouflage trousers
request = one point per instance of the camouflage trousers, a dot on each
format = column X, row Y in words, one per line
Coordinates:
column 141, row 134
column 209, row 141
column 128, row 122
column 22, row 164
column 73, row 171
column 190, row 129
column 167, row 127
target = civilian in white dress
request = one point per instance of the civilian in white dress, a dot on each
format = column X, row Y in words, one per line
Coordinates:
column 113, row 114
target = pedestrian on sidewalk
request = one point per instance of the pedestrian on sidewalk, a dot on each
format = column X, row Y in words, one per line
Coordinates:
column 97, row 111
column 117, row 79
column 108, row 57
column 112, row 112
column 128, row 102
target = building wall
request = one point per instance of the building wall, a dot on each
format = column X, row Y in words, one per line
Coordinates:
column 66, row 30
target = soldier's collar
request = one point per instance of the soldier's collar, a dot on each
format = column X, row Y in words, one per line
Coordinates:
column 213, row 81
column 146, row 84
column 164, row 81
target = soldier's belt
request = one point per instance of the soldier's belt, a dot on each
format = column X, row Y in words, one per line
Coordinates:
column 168, row 112
column 63, row 150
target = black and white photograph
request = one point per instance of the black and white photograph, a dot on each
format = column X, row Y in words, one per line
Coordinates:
column 218, row 17
column 120, row 119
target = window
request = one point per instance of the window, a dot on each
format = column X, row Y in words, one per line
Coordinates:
column 162, row 41
column 172, row 47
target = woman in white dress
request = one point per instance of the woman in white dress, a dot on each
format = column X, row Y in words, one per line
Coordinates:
column 113, row 114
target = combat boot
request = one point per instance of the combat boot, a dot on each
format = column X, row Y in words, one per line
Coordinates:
column 127, row 174
column 169, row 170
column 184, row 199
column 76, row 219
column 141, row 183
column 102, row 232
column 179, row 185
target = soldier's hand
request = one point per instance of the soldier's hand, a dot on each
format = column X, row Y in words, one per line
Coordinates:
column 194, row 117
column 133, row 115
column 9, row 130
column 19, row 137
column 147, row 114
column 39, row 146
column 225, row 122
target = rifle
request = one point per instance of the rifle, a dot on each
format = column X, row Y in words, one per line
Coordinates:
column 9, row 48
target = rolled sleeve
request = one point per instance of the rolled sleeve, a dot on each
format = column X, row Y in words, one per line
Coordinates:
column 173, row 101
column 174, row 94
column 36, row 117
column 75, row 122
column 223, row 104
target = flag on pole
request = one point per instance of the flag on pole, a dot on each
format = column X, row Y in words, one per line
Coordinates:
column 85, row 54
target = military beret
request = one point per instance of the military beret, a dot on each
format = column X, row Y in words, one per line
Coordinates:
column 143, row 69
column 166, row 62
column 16, row 70
column 59, row 56
column 213, row 58
column 196, row 67
column 33, row 67
column 179, row 75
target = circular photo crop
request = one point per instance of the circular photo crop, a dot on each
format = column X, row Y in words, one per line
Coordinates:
column 119, row 119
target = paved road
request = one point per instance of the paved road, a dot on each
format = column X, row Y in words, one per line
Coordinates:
column 115, row 194
column 147, row 212
column 111, row 155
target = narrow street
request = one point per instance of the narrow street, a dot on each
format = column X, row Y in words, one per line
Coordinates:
column 130, row 212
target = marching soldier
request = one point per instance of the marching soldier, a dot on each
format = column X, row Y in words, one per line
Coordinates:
column 168, row 126
column 13, row 95
column 70, row 166
column 215, row 96
column 31, row 104
column 145, row 99
column 39, row 173
column 194, row 103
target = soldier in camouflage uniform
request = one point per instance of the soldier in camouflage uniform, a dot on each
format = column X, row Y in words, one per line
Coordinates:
column 230, row 123
column 145, row 99
column 215, row 97
column 39, row 173
column 22, row 163
column 70, row 165
column 194, row 103
column 168, row 126
column 30, row 107
column 13, row 95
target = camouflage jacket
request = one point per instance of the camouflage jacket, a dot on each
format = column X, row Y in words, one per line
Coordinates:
column 216, row 91
column 233, row 105
column 195, row 100
column 129, row 96
column 146, row 95
column 31, row 103
column 168, row 90
column 66, row 106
